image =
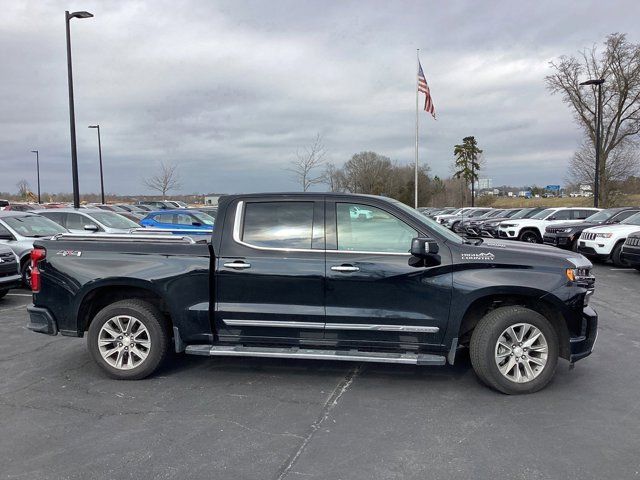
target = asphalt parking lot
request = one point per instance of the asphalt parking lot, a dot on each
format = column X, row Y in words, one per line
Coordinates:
column 60, row 417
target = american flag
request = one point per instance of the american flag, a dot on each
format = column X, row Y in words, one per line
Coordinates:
column 424, row 88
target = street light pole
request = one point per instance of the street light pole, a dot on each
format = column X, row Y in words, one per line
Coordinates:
column 72, row 116
column 598, row 115
column 38, row 170
column 100, row 156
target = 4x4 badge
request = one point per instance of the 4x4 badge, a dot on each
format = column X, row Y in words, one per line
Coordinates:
column 67, row 253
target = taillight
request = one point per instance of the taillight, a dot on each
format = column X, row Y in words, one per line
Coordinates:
column 37, row 254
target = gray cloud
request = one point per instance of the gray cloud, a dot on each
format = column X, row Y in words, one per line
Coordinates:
column 229, row 90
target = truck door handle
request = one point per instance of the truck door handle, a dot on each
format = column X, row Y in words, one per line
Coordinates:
column 345, row 268
column 238, row 264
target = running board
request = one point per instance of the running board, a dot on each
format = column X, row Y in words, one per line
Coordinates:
column 315, row 354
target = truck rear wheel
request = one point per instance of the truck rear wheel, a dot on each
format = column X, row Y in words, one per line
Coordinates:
column 128, row 339
column 514, row 350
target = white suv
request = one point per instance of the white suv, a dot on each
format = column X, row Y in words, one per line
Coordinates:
column 532, row 229
column 605, row 241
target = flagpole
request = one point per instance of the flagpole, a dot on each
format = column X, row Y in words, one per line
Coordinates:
column 416, row 169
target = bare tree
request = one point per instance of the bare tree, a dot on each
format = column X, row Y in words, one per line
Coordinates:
column 306, row 162
column 23, row 189
column 619, row 65
column 623, row 162
column 166, row 179
column 334, row 178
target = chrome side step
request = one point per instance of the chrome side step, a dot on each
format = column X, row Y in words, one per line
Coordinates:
column 315, row 354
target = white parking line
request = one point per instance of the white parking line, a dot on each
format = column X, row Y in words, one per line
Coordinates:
column 18, row 294
column 616, row 269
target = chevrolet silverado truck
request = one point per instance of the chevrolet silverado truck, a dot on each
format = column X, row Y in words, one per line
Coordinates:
column 297, row 276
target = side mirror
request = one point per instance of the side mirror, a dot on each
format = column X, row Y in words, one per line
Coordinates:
column 91, row 227
column 423, row 247
column 196, row 224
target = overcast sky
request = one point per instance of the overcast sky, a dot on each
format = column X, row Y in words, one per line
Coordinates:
column 230, row 90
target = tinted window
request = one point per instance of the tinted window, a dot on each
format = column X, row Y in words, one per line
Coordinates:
column 55, row 216
column 632, row 220
column 75, row 221
column 564, row 215
column 376, row 231
column 184, row 219
column 278, row 224
column 4, row 231
column 164, row 218
column 582, row 214
column 624, row 215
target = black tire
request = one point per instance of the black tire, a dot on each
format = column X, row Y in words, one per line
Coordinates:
column 530, row 236
column 3, row 293
column 616, row 256
column 149, row 316
column 25, row 271
column 482, row 349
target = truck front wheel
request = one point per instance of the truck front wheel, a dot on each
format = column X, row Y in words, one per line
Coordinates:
column 128, row 339
column 514, row 350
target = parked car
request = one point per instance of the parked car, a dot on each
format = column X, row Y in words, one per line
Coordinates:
column 23, row 207
column 134, row 217
column 630, row 253
column 489, row 228
column 3, row 204
column 358, row 213
column 442, row 217
column 453, row 221
column 605, row 242
column 90, row 220
column 463, row 227
column 9, row 270
column 473, row 226
column 566, row 235
column 211, row 211
column 18, row 230
column 157, row 204
column 532, row 229
column 181, row 221
column 396, row 288
column 137, row 209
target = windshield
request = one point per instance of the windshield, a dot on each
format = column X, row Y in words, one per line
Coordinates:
column 602, row 216
column 524, row 213
column 432, row 224
column 204, row 218
column 510, row 213
column 632, row 220
column 543, row 214
column 113, row 220
column 34, row 226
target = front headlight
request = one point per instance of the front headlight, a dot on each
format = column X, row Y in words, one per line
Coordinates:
column 604, row 235
column 564, row 230
column 508, row 225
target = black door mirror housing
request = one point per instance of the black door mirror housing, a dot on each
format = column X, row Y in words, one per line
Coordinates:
column 90, row 227
column 424, row 247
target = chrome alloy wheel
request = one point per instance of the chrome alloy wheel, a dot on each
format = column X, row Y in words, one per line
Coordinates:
column 521, row 352
column 124, row 342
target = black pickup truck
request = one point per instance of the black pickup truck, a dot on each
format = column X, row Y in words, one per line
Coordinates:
column 302, row 276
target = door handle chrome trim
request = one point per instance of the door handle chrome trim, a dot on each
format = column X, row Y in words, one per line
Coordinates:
column 240, row 265
column 345, row 268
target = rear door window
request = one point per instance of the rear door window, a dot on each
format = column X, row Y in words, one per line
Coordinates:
column 278, row 224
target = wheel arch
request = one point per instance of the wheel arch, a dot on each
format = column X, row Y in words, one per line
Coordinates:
column 538, row 302
column 107, row 292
